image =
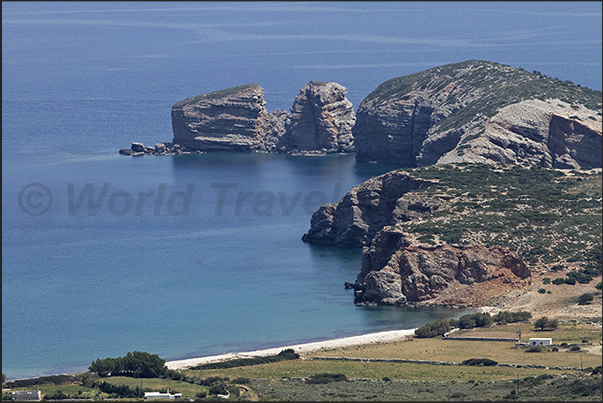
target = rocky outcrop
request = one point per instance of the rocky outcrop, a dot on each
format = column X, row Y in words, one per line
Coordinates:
column 483, row 112
column 321, row 119
column 230, row 120
column 235, row 119
column 368, row 207
column 396, row 271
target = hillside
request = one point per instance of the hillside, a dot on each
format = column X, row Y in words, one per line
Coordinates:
column 478, row 111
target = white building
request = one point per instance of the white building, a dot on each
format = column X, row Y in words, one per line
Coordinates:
column 27, row 395
column 161, row 395
column 536, row 341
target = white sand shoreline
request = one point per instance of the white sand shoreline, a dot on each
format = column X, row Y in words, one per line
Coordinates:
column 390, row 335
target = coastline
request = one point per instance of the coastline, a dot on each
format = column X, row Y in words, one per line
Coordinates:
column 369, row 338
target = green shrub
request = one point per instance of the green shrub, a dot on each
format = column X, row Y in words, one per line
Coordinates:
column 482, row 362
column 479, row 319
column 574, row 348
column 287, row 354
column 218, row 389
column 558, row 281
column 546, row 280
column 241, row 381
column 585, row 299
column 433, row 329
column 504, row 317
column 586, row 386
column 598, row 286
column 534, row 349
column 541, row 291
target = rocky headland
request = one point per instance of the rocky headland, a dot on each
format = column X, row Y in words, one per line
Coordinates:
column 464, row 235
column 482, row 112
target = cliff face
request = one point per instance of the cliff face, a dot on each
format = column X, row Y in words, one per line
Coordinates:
column 396, row 271
column 480, row 112
column 236, row 119
column 321, row 119
column 230, row 120
column 368, row 207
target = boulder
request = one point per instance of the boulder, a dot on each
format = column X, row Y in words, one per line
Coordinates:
column 137, row 147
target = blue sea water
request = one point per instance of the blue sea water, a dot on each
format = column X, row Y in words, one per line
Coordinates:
column 197, row 255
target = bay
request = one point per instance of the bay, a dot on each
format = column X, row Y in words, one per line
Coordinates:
column 83, row 79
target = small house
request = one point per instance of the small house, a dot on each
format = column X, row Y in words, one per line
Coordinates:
column 540, row 341
column 27, row 395
column 163, row 396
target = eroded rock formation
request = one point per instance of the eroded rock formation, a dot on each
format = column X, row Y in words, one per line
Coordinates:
column 230, row 120
column 321, row 119
column 397, row 271
column 236, row 119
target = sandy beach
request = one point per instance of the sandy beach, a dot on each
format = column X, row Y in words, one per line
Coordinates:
column 299, row 348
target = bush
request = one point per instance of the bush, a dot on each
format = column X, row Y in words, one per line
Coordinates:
column 546, row 280
column 585, row 299
column 219, row 389
column 596, row 370
column 480, row 319
column 598, row 286
column 574, row 348
column 482, row 362
column 504, row 317
column 534, row 349
column 586, row 387
column 541, row 291
column 241, row 381
column 287, row 354
column 558, row 281
column 58, row 395
column 570, row 281
column 437, row 328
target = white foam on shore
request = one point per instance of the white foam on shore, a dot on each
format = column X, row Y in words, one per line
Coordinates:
column 391, row 335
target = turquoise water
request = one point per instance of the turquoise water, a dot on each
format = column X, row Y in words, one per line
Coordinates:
column 197, row 255
column 85, row 283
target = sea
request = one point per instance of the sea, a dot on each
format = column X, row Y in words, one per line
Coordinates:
column 196, row 255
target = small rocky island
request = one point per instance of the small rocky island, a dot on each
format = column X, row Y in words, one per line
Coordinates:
column 236, row 120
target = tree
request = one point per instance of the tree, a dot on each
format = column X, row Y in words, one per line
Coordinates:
column 546, row 323
column 138, row 364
